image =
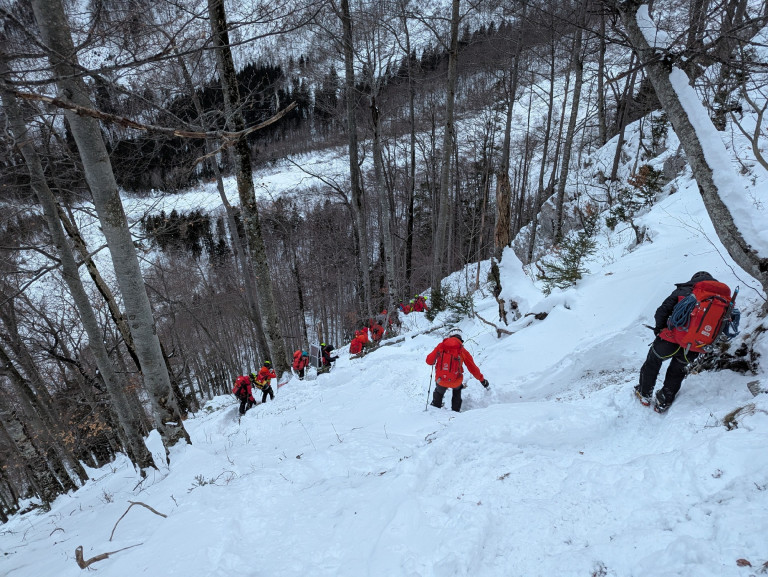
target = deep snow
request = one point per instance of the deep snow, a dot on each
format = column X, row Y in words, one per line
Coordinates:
column 558, row 470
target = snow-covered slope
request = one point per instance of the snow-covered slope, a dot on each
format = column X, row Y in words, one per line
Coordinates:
column 558, row 470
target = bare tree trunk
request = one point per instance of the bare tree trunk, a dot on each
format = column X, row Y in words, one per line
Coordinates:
column 503, row 231
column 131, row 427
column 659, row 73
column 440, row 242
column 237, row 241
column 251, row 219
column 629, row 90
column 577, row 63
column 386, row 215
column 602, row 128
column 548, row 129
column 43, row 481
column 412, row 165
column 56, row 35
column 358, row 209
column 79, row 244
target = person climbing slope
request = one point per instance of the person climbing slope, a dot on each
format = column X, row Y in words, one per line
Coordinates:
column 263, row 381
column 682, row 340
column 449, row 358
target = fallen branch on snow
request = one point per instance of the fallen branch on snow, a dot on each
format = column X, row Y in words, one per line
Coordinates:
column 132, row 503
column 83, row 563
column 499, row 330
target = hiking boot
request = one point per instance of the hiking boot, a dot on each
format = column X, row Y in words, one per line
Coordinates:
column 438, row 406
column 661, row 404
column 644, row 399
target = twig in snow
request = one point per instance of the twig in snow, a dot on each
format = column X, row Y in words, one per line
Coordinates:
column 132, row 503
column 83, row 563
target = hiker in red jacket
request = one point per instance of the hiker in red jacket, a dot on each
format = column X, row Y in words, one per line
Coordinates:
column 360, row 340
column 420, row 304
column 244, row 393
column 377, row 331
column 262, row 381
column 666, row 347
column 300, row 363
column 450, row 356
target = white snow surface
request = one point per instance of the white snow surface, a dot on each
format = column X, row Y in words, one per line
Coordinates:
column 557, row 470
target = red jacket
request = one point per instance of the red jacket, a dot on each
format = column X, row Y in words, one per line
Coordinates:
column 300, row 361
column 450, row 357
column 356, row 346
column 243, row 383
column 264, row 376
column 377, row 331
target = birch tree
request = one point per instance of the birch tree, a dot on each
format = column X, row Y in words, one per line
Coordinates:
column 57, row 38
column 128, row 421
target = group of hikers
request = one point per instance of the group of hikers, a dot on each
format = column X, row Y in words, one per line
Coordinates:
column 417, row 304
column 686, row 325
column 262, row 380
column 368, row 336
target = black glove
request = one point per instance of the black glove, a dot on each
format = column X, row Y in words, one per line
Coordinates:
column 657, row 330
column 485, row 383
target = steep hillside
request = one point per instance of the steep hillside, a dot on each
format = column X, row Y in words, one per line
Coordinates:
column 557, row 470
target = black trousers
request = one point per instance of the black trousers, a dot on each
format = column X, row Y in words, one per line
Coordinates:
column 437, row 397
column 267, row 391
column 245, row 404
column 660, row 351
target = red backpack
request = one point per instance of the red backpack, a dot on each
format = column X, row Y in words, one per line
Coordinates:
column 296, row 360
column 698, row 319
column 449, row 366
column 240, row 389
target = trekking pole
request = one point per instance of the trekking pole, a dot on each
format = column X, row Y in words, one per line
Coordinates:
column 426, row 406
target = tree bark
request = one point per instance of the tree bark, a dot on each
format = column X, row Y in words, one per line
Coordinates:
column 539, row 198
column 41, row 478
column 503, row 231
column 577, row 64
column 251, row 219
column 56, row 35
column 130, row 425
column 358, row 211
column 238, row 243
column 386, row 216
column 444, row 210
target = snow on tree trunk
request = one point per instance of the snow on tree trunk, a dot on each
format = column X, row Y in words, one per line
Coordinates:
column 704, row 149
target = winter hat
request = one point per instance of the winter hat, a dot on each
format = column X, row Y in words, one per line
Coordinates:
column 457, row 334
column 267, row 363
column 304, row 354
column 701, row 275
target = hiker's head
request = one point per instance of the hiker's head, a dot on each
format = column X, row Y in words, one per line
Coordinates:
column 700, row 276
